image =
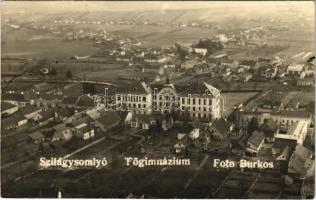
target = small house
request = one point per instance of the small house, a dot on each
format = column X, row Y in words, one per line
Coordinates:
column 8, row 108
column 13, row 122
column 179, row 147
column 142, row 121
column 84, row 131
column 220, row 129
column 194, row 134
column 282, row 149
column 255, row 143
column 30, row 111
column 302, row 162
column 36, row 137
column 107, row 121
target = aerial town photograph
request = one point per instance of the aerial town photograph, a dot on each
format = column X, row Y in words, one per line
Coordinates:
column 162, row 99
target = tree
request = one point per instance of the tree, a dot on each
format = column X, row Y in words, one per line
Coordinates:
column 182, row 53
column 53, row 72
column 252, row 126
column 68, row 74
column 88, row 88
column 210, row 45
column 196, row 123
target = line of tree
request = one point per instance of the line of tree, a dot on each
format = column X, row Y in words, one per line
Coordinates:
column 68, row 74
column 211, row 45
column 181, row 52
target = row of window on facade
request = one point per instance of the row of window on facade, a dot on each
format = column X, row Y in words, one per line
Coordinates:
column 167, row 105
column 133, row 105
column 200, row 115
column 132, row 98
column 261, row 120
column 166, row 97
column 183, row 108
column 197, row 101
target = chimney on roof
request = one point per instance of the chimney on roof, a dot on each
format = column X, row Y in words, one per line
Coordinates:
column 167, row 80
column 105, row 92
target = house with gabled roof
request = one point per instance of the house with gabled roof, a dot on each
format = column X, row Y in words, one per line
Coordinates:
column 302, row 162
column 143, row 122
column 45, row 116
column 61, row 114
column 12, row 122
column 36, row 137
column 85, row 101
column 69, row 101
column 247, row 63
column 255, row 143
column 30, row 111
column 83, row 131
column 17, row 99
column 8, row 108
column 48, row 100
column 220, row 129
column 107, row 121
column 282, row 149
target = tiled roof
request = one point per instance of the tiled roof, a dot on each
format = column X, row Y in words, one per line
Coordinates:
column 281, row 143
column 86, row 120
column 12, row 120
column 65, row 112
column 298, row 114
column 70, row 100
column 6, row 106
column 135, row 87
column 14, row 97
column 83, row 129
column 141, row 118
column 30, row 109
column 36, row 135
column 158, row 86
column 190, row 63
column 221, row 125
column 303, row 152
column 212, row 60
column 47, row 114
column 306, row 80
column 60, row 127
column 229, row 61
column 298, row 159
column 85, row 101
column 199, row 88
column 43, row 86
column 50, row 97
column 267, row 60
column 256, row 138
column 250, row 63
column 108, row 118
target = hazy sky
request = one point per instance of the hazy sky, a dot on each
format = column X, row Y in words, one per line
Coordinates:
column 62, row 6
